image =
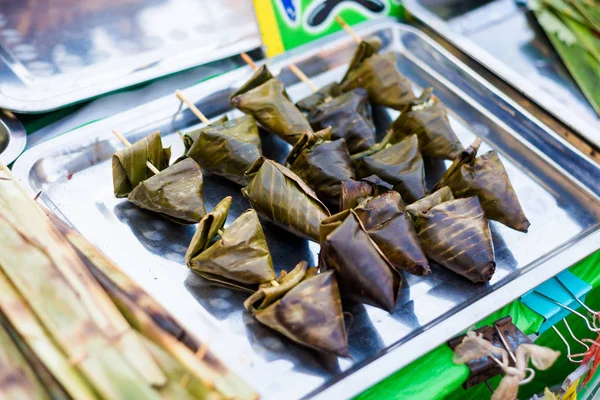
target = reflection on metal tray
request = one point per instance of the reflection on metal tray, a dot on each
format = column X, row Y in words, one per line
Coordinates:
column 63, row 51
column 506, row 39
column 12, row 137
column 557, row 187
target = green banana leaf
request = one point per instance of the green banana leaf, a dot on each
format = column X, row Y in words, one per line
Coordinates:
column 365, row 49
column 401, row 165
column 129, row 164
column 486, row 178
column 306, row 308
column 322, row 164
column 281, row 197
column 237, row 257
column 364, row 273
column 326, row 93
column 261, row 76
column 354, row 192
column 190, row 137
column 349, row 115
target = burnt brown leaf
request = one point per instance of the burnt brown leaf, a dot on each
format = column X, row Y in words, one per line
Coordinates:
column 349, row 115
column 176, row 193
column 365, row 49
column 353, row 192
column 281, row 197
column 129, row 164
column 326, row 93
column 426, row 203
column 364, row 274
column 387, row 223
column 486, row 178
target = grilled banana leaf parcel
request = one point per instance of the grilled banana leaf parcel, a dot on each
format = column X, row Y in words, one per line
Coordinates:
column 129, row 164
column 401, row 165
column 428, row 202
column 354, row 192
column 305, row 307
column 190, row 137
column 261, row 75
column 326, row 93
column 486, row 178
column 272, row 108
column 176, row 193
column 350, row 117
column 237, row 257
column 365, row 49
column 280, row 196
column 387, row 223
column 228, row 148
column 322, row 164
column 456, row 235
column 364, row 273
column 427, row 118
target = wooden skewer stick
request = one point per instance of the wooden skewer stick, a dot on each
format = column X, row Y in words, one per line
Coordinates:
column 126, row 143
column 192, row 107
column 248, row 60
column 303, row 77
column 347, row 28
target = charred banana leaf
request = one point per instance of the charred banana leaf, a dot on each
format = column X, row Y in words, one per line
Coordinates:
column 176, row 193
column 401, row 165
column 486, row 178
column 326, row 93
column 280, row 196
column 364, row 273
column 387, row 223
column 354, row 192
column 305, row 307
column 237, row 257
column 129, row 164
column 349, row 115
column 365, row 49
column 426, row 117
column 322, row 164
column 228, row 148
column 426, row 203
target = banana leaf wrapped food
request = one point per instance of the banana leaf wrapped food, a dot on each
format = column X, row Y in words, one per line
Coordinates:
column 227, row 148
column 281, row 197
column 129, row 164
column 486, row 178
column 190, row 137
column 326, row 93
column 176, row 193
column 365, row 49
column 388, row 224
column 399, row 164
column 305, row 307
column 322, row 164
column 237, row 257
column 350, row 117
column 364, row 273
column 427, row 118
column 455, row 234
column 266, row 99
column 354, row 192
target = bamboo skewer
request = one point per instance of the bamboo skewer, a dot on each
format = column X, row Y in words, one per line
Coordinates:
column 248, row 60
column 128, row 144
column 192, row 107
column 303, row 77
column 348, row 29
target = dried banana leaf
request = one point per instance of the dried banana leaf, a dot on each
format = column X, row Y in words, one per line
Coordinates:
column 306, row 308
column 387, row 223
column 350, row 117
column 365, row 49
column 364, row 273
column 228, row 148
column 326, row 93
column 401, row 165
column 486, row 178
column 129, row 164
column 427, row 118
column 426, row 203
column 456, row 235
column 354, row 192
column 280, row 196
column 385, row 84
column 322, row 164
column 176, row 193
column 239, row 258
column 261, row 75
column 190, row 137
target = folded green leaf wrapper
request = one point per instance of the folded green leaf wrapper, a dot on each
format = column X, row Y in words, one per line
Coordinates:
column 326, row 93
column 401, row 165
column 322, row 164
column 349, row 115
column 486, row 178
column 354, row 192
column 239, row 258
column 305, row 307
column 261, row 75
column 280, row 196
column 427, row 118
column 228, row 148
column 364, row 273
column 456, row 235
column 365, row 49
column 426, row 203
column 176, row 193
column 191, row 136
column 387, row 223
column 129, row 164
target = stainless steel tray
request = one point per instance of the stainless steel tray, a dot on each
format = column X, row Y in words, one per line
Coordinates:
column 506, row 39
column 13, row 137
column 557, row 185
column 59, row 52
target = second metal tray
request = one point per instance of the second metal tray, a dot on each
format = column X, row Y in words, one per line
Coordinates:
column 557, row 186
